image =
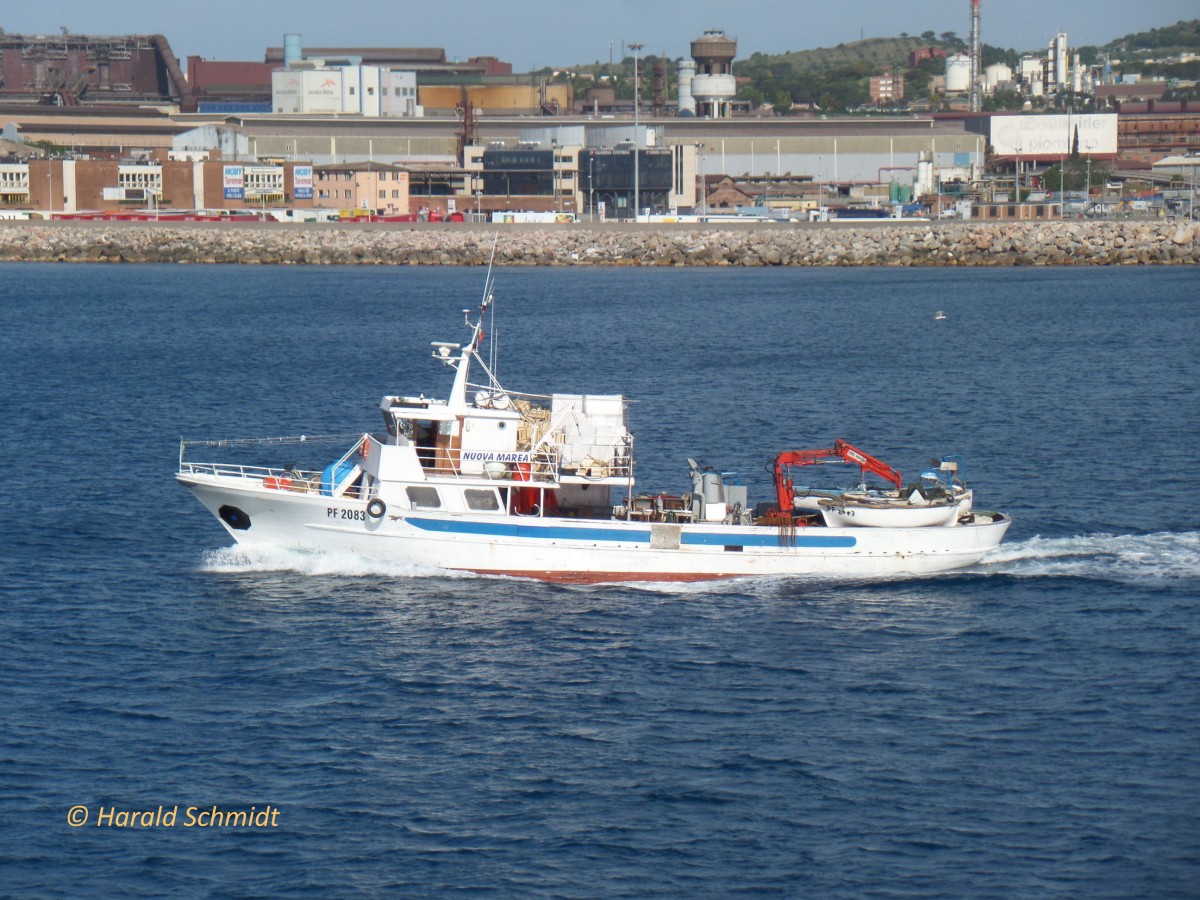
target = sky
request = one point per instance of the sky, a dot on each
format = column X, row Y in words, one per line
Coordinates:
column 559, row 33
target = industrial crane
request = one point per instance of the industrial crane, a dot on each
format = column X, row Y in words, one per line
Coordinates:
column 841, row 451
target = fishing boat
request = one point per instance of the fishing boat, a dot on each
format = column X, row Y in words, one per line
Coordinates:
column 504, row 483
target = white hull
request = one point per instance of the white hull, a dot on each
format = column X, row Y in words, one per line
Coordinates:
column 571, row 550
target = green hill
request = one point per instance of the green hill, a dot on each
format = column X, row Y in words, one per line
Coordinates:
column 1175, row 38
column 836, row 79
column 873, row 52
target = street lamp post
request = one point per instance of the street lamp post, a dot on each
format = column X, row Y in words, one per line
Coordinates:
column 1192, row 192
column 592, row 183
column 554, row 171
column 1017, row 175
column 637, row 199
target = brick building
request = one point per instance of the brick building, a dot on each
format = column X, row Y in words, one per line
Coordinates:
column 888, row 88
column 70, row 185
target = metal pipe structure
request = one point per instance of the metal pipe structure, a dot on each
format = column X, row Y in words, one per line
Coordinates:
column 976, row 55
column 187, row 100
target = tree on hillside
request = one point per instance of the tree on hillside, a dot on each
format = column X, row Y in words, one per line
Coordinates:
column 1075, row 175
column 1002, row 100
column 989, row 55
column 917, row 78
column 1180, row 36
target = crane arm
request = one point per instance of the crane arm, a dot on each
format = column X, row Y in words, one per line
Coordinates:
column 868, row 463
column 841, row 451
column 783, row 463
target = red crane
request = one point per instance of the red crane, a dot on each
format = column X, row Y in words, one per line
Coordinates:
column 841, row 451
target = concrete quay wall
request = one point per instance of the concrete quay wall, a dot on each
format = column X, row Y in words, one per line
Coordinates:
column 876, row 244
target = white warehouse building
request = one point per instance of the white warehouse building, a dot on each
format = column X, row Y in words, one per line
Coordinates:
column 329, row 87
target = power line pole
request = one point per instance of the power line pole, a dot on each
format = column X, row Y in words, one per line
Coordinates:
column 637, row 142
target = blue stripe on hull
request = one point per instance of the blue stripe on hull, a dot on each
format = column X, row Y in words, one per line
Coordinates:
column 734, row 539
column 544, row 532
column 624, row 535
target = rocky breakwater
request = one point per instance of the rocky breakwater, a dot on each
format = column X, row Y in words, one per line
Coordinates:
column 880, row 244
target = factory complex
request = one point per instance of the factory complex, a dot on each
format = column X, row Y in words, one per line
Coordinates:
column 112, row 127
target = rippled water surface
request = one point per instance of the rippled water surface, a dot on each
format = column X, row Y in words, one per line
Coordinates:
column 1030, row 727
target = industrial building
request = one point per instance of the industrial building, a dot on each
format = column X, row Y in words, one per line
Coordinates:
column 230, row 87
column 426, row 61
column 342, row 87
column 74, row 69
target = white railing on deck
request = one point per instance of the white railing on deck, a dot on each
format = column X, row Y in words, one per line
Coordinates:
column 253, row 473
column 235, row 470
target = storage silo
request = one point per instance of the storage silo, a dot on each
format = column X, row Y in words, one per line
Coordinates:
column 687, row 103
column 1061, row 77
column 958, row 73
column 293, row 50
column 923, row 184
column 995, row 74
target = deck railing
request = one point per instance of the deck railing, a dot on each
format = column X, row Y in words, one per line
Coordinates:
column 291, row 476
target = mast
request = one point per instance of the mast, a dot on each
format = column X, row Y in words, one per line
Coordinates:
column 462, row 365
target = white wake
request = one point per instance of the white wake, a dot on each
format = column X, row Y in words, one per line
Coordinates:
column 1163, row 556
column 241, row 560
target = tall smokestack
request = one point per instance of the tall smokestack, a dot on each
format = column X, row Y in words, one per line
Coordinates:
column 976, row 55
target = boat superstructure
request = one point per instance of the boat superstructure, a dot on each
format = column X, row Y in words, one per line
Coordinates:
column 500, row 482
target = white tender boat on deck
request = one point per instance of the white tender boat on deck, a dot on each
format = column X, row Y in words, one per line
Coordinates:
column 870, row 512
column 497, row 482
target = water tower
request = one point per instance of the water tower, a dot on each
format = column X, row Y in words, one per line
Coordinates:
column 713, row 87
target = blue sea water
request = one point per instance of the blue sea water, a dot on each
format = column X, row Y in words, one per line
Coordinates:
column 1030, row 727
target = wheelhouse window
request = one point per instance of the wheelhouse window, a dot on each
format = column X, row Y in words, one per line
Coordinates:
column 482, row 500
column 424, row 498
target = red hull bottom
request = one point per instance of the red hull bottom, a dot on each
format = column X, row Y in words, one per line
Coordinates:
column 603, row 577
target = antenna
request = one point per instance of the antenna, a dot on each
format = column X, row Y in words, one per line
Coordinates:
column 488, row 282
column 489, row 295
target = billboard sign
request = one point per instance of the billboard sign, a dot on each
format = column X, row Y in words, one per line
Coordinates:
column 302, row 182
column 1048, row 137
column 235, row 183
